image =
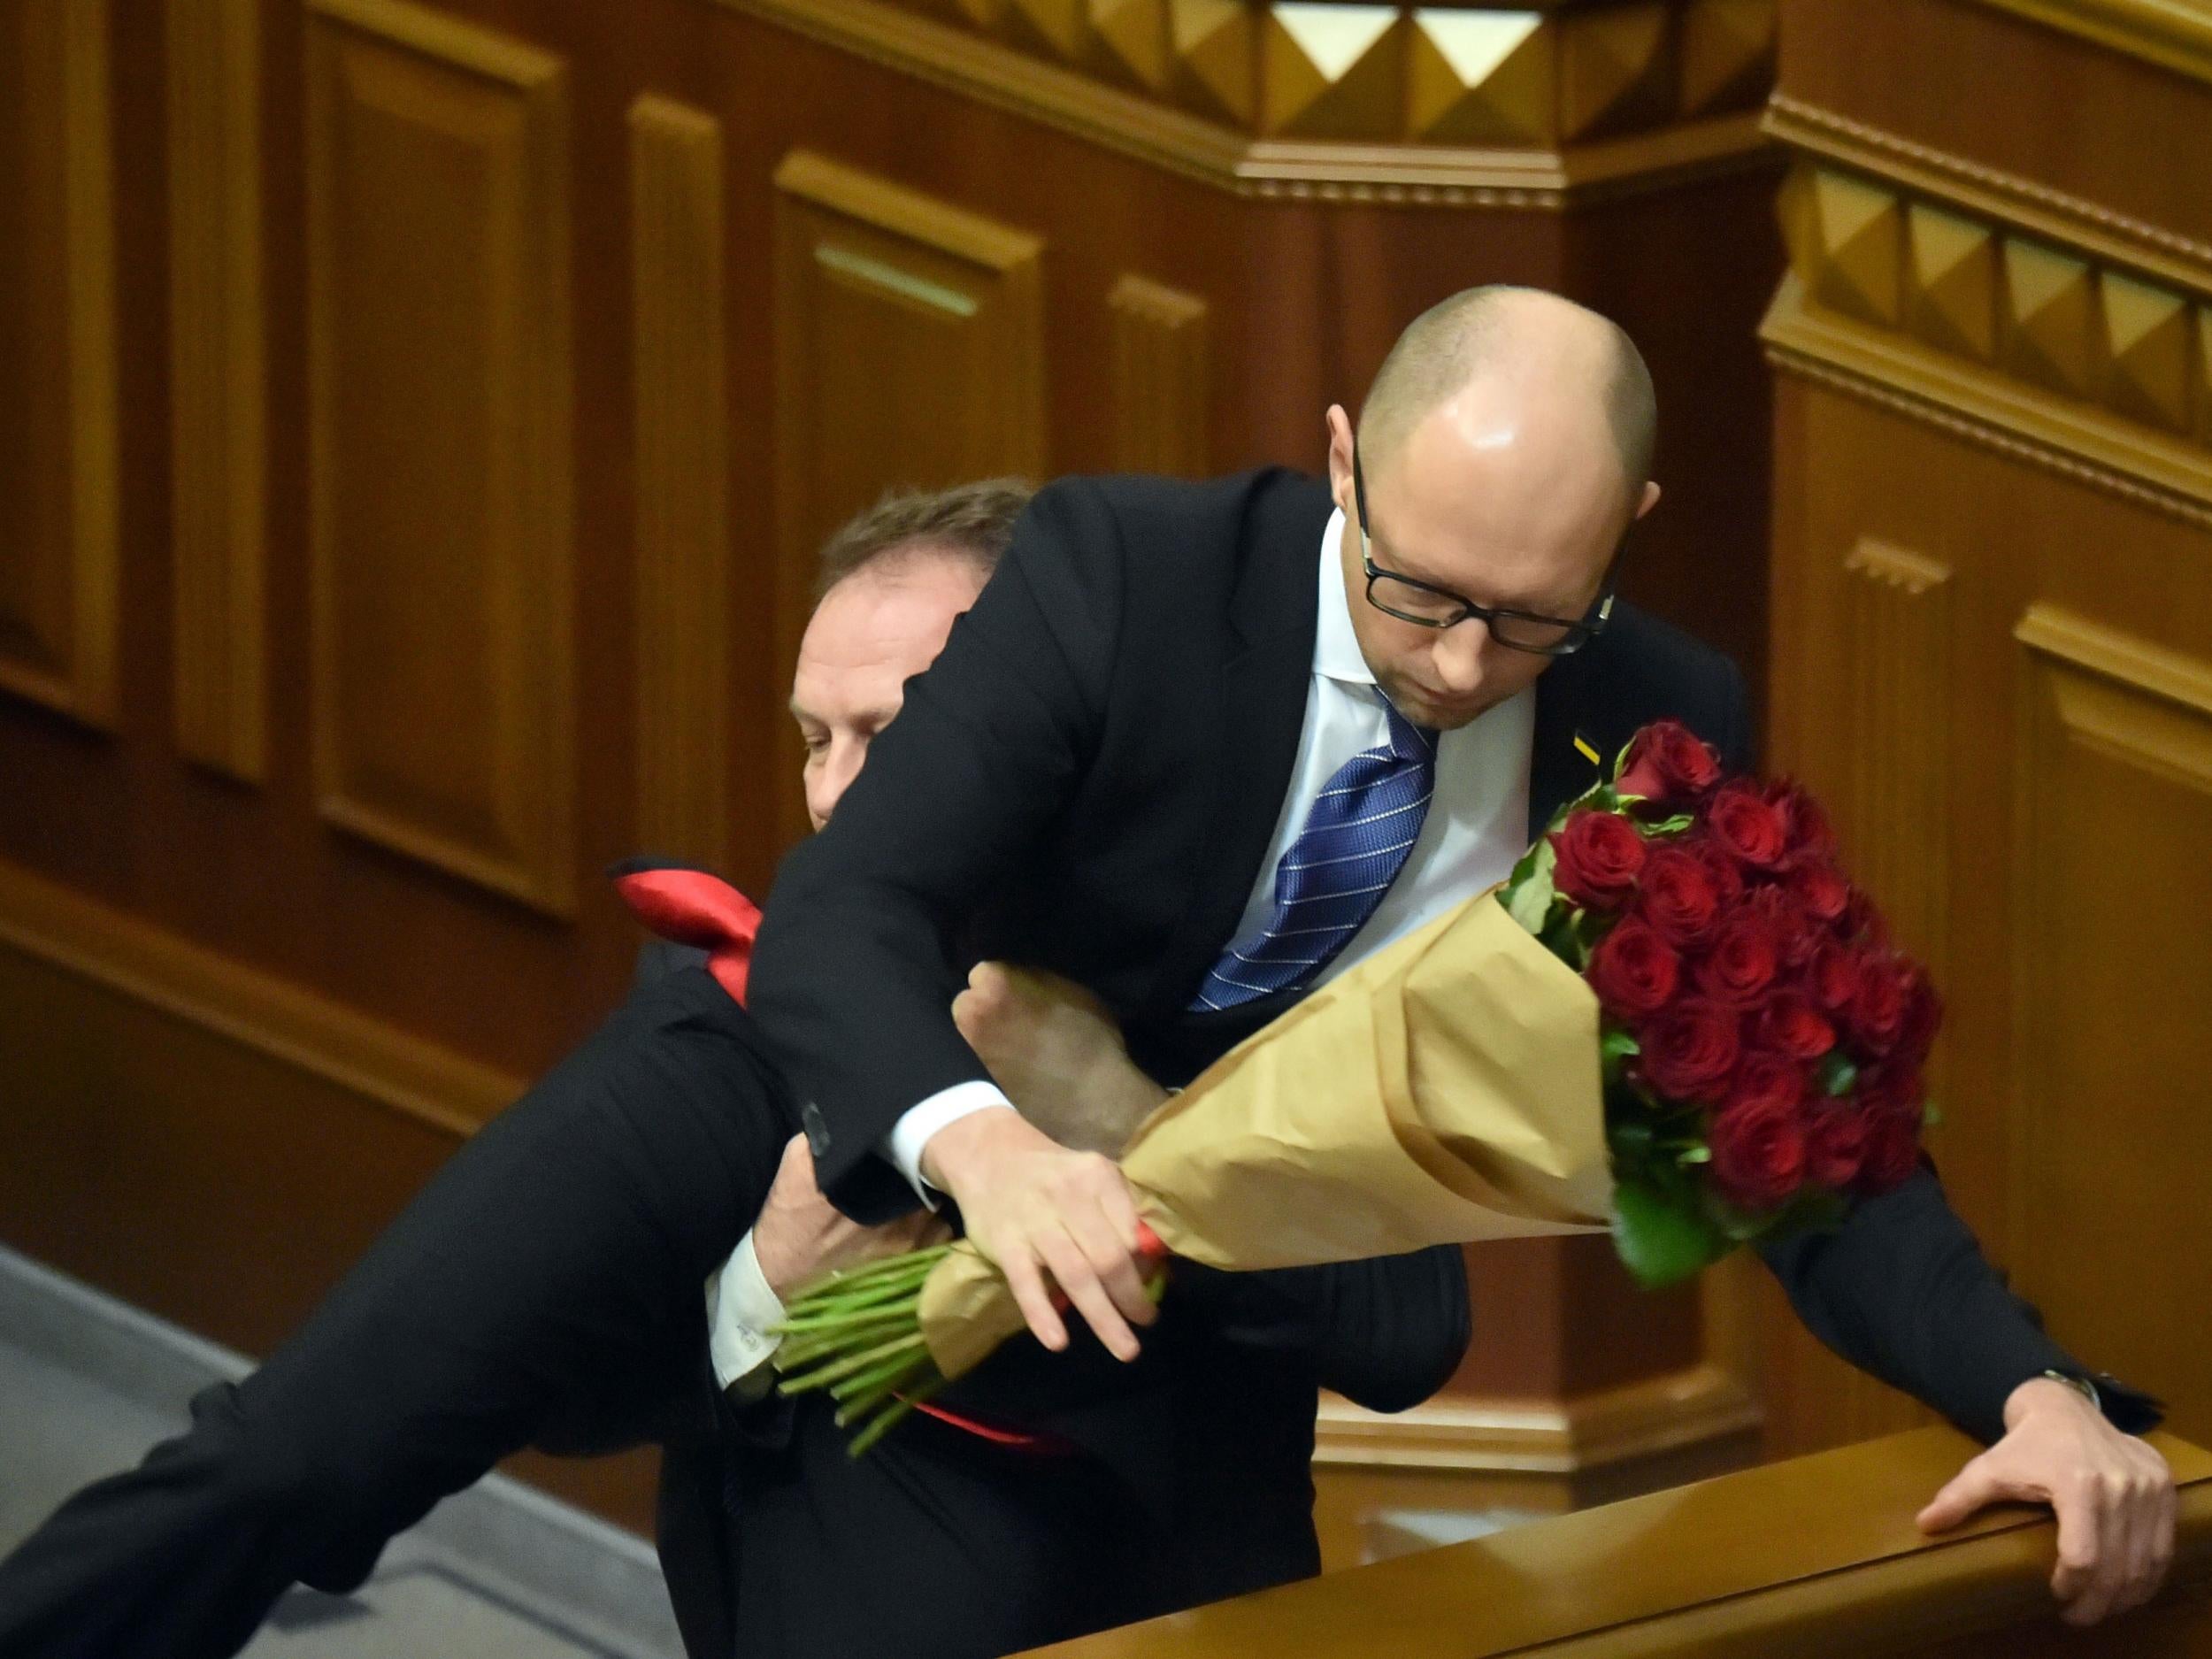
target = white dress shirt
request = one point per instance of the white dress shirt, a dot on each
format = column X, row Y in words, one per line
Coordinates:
column 1476, row 829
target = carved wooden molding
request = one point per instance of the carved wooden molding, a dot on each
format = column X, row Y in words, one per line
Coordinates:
column 1536, row 108
column 59, row 613
column 1660, row 1414
column 1160, row 379
column 682, row 491
column 2013, row 316
column 2176, row 34
column 216, row 380
column 441, row 473
column 129, row 957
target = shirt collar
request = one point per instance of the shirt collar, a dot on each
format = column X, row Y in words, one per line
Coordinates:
column 1336, row 653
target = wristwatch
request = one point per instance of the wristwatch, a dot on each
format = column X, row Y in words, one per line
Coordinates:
column 2082, row 1386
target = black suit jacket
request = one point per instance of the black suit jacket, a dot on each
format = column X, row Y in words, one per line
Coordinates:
column 1089, row 777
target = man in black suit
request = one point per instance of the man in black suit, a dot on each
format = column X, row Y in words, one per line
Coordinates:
column 1132, row 759
column 545, row 1287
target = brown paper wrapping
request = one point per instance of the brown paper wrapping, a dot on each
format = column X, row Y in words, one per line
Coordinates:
column 1446, row 1090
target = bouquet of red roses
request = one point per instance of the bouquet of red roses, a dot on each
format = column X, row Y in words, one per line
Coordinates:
column 1762, row 1041
column 1678, row 1019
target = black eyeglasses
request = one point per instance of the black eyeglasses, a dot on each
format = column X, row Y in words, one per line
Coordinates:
column 1429, row 606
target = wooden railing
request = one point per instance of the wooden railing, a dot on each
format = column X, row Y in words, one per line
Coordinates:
column 1811, row 1557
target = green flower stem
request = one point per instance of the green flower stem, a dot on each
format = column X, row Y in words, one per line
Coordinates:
column 911, row 1262
column 889, row 1374
column 825, row 1375
column 881, row 1424
column 890, row 1290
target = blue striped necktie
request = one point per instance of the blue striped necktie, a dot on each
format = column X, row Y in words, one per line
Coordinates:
column 1356, row 839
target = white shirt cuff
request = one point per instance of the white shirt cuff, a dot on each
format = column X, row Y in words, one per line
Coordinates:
column 742, row 1314
column 912, row 1131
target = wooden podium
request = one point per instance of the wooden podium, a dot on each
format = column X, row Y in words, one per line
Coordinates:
column 1812, row 1557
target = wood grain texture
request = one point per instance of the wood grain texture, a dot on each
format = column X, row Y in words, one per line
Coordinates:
column 1991, row 618
column 683, row 467
column 2114, row 782
column 1161, row 379
column 440, row 435
column 217, row 383
column 61, row 573
column 910, row 351
column 1814, row 1557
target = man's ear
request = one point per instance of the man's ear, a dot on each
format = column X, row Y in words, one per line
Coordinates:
column 1650, row 500
column 1339, row 429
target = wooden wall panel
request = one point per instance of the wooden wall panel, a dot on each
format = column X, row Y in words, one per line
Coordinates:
column 2114, row 895
column 59, row 555
column 682, row 490
column 218, row 393
column 440, row 444
column 1992, row 626
column 1161, row 382
column 910, row 350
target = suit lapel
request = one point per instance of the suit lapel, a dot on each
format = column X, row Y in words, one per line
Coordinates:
column 1568, row 750
column 1260, row 710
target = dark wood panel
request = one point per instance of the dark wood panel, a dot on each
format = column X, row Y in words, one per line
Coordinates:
column 58, row 547
column 440, row 442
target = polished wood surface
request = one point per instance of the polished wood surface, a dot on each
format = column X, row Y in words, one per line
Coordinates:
column 425, row 415
column 1992, row 628
column 1811, row 1557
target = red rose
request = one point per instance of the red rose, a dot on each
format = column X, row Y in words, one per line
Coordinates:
column 1758, row 1157
column 1600, row 855
column 1820, row 890
column 1836, row 1144
column 1745, row 956
column 1862, row 923
column 1766, row 1082
column 1790, row 1025
column 1876, row 1017
column 1746, row 826
column 1893, row 1090
column 1634, row 971
column 1832, row 976
column 1669, row 767
column 1795, row 934
column 1893, row 1151
column 1689, row 1049
column 1677, row 895
column 1924, row 1015
column 1807, row 836
column 1721, row 866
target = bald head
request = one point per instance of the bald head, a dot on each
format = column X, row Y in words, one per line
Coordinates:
column 1533, row 346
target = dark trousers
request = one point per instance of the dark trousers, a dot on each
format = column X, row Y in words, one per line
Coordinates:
column 545, row 1287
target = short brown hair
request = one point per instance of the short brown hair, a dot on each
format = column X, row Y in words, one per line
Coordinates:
column 973, row 520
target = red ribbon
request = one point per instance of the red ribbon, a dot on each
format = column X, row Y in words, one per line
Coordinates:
column 694, row 908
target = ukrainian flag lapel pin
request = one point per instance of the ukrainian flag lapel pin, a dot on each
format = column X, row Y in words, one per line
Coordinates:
column 1584, row 748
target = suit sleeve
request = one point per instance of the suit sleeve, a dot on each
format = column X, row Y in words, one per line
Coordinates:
column 1904, row 1292
column 855, row 972
column 1386, row 1334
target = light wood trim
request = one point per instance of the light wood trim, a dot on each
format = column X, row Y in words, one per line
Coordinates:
column 1814, row 1557
column 1006, row 78
column 2084, row 444
column 2095, row 231
column 123, row 954
column 217, row 392
column 682, row 490
column 904, row 213
column 1659, row 1414
column 2137, row 664
column 2174, row 34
